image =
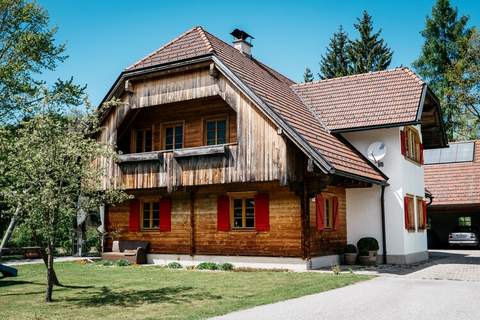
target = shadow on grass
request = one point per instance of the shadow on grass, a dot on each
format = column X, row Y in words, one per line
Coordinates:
column 7, row 283
column 132, row 298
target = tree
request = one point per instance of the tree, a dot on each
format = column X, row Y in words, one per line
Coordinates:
column 442, row 63
column 56, row 153
column 308, row 75
column 369, row 52
column 27, row 47
column 336, row 63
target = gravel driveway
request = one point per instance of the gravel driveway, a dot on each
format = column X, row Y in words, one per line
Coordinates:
column 448, row 287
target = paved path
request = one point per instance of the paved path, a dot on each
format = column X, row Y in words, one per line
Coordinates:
column 446, row 288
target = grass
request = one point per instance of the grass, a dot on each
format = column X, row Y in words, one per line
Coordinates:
column 92, row 291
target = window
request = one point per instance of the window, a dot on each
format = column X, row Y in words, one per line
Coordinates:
column 325, row 208
column 409, row 213
column 215, row 131
column 411, row 145
column 328, row 212
column 421, row 214
column 143, row 140
column 243, row 212
column 151, row 214
column 173, row 136
column 464, row 221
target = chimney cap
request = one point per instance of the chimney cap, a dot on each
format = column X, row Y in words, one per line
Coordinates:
column 240, row 34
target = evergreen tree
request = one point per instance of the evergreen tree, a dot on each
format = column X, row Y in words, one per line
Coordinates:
column 369, row 52
column 335, row 63
column 441, row 61
column 308, row 75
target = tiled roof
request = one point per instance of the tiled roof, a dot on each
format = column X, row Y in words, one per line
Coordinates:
column 368, row 99
column 455, row 183
column 274, row 89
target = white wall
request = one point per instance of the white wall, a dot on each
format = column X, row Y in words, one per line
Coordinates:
column 363, row 205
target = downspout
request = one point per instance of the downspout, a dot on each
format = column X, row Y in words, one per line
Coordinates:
column 384, row 237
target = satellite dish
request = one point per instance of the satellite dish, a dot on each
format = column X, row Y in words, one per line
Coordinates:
column 377, row 151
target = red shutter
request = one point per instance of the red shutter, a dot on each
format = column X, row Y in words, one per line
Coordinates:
column 421, row 153
column 134, row 216
column 223, row 213
column 424, row 207
column 165, row 214
column 403, row 142
column 335, row 213
column 320, row 211
column 407, row 221
column 262, row 212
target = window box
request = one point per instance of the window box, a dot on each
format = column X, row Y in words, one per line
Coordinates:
column 138, row 157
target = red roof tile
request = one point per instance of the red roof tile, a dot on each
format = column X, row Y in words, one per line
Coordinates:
column 274, row 89
column 369, row 99
column 455, row 183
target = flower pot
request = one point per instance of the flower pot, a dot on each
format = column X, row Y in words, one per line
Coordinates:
column 364, row 260
column 350, row 258
column 115, row 246
column 372, row 255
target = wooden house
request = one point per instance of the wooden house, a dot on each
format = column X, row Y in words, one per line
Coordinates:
column 229, row 160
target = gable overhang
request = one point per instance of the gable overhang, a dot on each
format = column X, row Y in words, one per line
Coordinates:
column 323, row 164
column 429, row 116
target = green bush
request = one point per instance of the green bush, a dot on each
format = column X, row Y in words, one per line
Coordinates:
column 350, row 248
column 363, row 253
column 207, row 266
column 106, row 263
column 226, row 266
column 21, row 237
column 92, row 239
column 367, row 244
column 122, row 263
column 174, row 265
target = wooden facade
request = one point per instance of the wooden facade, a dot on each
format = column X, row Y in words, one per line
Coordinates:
column 256, row 157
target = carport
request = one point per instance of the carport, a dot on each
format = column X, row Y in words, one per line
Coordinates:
column 452, row 177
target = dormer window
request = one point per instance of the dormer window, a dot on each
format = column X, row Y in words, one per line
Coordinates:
column 412, row 148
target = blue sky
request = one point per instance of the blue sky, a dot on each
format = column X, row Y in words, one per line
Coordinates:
column 104, row 37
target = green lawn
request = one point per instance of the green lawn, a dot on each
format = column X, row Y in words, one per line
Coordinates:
column 92, row 291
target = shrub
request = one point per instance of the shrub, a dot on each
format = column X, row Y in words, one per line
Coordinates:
column 350, row 248
column 122, row 263
column 104, row 263
column 367, row 244
column 207, row 266
column 92, row 239
column 174, row 265
column 336, row 269
column 363, row 253
column 226, row 266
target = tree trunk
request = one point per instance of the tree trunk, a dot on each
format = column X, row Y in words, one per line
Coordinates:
column 10, row 229
column 45, row 260
column 50, row 272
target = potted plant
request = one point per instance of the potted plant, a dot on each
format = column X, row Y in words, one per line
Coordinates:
column 350, row 254
column 364, row 258
column 115, row 233
column 368, row 246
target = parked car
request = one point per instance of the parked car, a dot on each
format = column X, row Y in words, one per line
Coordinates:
column 464, row 236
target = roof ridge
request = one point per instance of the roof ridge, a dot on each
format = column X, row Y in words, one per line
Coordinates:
column 358, row 75
column 205, row 39
column 164, row 46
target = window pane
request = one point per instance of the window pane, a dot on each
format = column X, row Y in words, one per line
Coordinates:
column 178, row 137
column 146, row 215
column 237, row 213
column 210, row 125
column 155, row 214
column 139, row 141
column 327, row 213
column 148, row 140
column 211, row 137
column 169, row 138
column 221, row 131
column 249, row 213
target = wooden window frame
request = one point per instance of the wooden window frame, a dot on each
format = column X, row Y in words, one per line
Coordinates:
column 413, row 145
column 133, row 142
column 328, row 212
column 411, row 215
column 150, row 201
column 216, row 118
column 419, row 203
column 243, row 196
column 163, row 134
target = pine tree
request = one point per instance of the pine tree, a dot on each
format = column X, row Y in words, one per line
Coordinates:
column 369, row 52
column 308, row 75
column 445, row 37
column 335, row 63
